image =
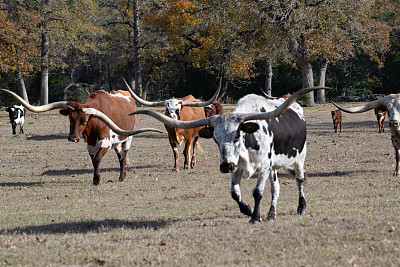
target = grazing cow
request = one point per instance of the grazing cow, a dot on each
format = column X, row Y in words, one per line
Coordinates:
column 337, row 120
column 391, row 103
column 380, row 114
column 17, row 117
column 213, row 109
column 259, row 137
column 183, row 109
column 97, row 135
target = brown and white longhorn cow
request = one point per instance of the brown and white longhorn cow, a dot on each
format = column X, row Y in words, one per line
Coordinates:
column 99, row 138
column 391, row 103
column 187, row 108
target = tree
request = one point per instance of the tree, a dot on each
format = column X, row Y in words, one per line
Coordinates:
column 18, row 50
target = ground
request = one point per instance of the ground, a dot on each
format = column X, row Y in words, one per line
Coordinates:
column 52, row 215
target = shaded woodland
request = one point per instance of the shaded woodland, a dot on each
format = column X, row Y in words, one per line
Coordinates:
column 64, row 49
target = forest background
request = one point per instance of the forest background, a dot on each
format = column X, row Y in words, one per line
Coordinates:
column 53, row 50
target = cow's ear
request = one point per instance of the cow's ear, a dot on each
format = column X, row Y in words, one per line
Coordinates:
column 249, row 127
column 206, row 132
column 64, row 112
column 8, row 109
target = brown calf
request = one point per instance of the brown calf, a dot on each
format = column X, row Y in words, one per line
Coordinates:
column 213, row 109
column 380, row 114
column 337, row 120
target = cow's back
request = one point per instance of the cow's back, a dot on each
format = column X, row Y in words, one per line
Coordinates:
column 117, row 105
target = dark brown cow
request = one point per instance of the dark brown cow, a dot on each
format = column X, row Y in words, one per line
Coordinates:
column 380, row 114
column 337, row 120
column 99, row 138
column 213, row 109
column 187, row 108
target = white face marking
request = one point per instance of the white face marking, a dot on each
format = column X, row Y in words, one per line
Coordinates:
column 173, row 106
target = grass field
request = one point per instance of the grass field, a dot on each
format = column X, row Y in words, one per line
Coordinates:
column 52, row 215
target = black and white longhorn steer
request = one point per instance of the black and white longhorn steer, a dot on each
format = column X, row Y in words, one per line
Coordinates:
column 391, row 103
column 259, row 137
column 17, row 117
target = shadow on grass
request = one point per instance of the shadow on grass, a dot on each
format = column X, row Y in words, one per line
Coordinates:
column 84, row 227
column 19, row 184
column 68, row 172
column 48, row 137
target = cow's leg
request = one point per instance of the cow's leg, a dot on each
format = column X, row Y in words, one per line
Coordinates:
column 176, row 154
column 236, row 195
column 397, row 170
column 340, row 124
column 14, row 126
column 186, row 153
column 96, row 159
column 257, row 195
column 300, row 179
column 275, row 190
column 122, row 154
column 195, row 144
column 21, row 129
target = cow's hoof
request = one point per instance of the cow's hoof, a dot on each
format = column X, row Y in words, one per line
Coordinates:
column 96, row 182
column 271, row 216
column 121, row 179
column 255, row 221
column 246, row 210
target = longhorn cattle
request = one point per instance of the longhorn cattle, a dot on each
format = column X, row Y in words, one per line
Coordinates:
column 380, row 114
column 97, row 136
column 259, row 137
column 182, row 109
column 17, row 117
column 213, row 109
column 392, row 104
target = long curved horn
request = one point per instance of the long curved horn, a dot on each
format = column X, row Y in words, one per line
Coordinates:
column 172, row 122
column 142, row 101
column 246, row 116
column 98, row 114
column 283, row 107
column 360, row 109
column 203, row 104
column 267, row 95
column 37, row 109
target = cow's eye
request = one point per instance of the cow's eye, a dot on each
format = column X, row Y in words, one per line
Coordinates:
column 237, row 137
column 83, row 122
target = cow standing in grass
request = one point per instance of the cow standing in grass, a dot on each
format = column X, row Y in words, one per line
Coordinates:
column 97, row 135
column 181, row 109
column 259, row 137
column 17, row 117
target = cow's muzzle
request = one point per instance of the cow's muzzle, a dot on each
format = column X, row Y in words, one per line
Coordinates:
column 226, row 167
column 73, row 139
column 394, row 124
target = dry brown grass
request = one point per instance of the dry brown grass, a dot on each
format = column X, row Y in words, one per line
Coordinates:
column 52, row 215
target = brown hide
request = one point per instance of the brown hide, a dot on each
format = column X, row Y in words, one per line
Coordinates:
column 189, row 136
column 337, row 120
column 93, row 130
column 380, row 114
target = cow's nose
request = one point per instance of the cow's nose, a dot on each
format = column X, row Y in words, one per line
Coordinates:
column 394, row 123
column 226, row 167
column 73, row 139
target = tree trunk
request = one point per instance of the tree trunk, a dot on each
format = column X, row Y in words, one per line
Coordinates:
column 321, row 82
column 44, row 82
column 137, row 49
column 268, row 77
column 307, row 78
column 22, row 88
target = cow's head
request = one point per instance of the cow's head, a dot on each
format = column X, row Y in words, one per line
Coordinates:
column 173, row 108
column 390, row 102
column 228, row 129
column 78, row 120
column 227, row 132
